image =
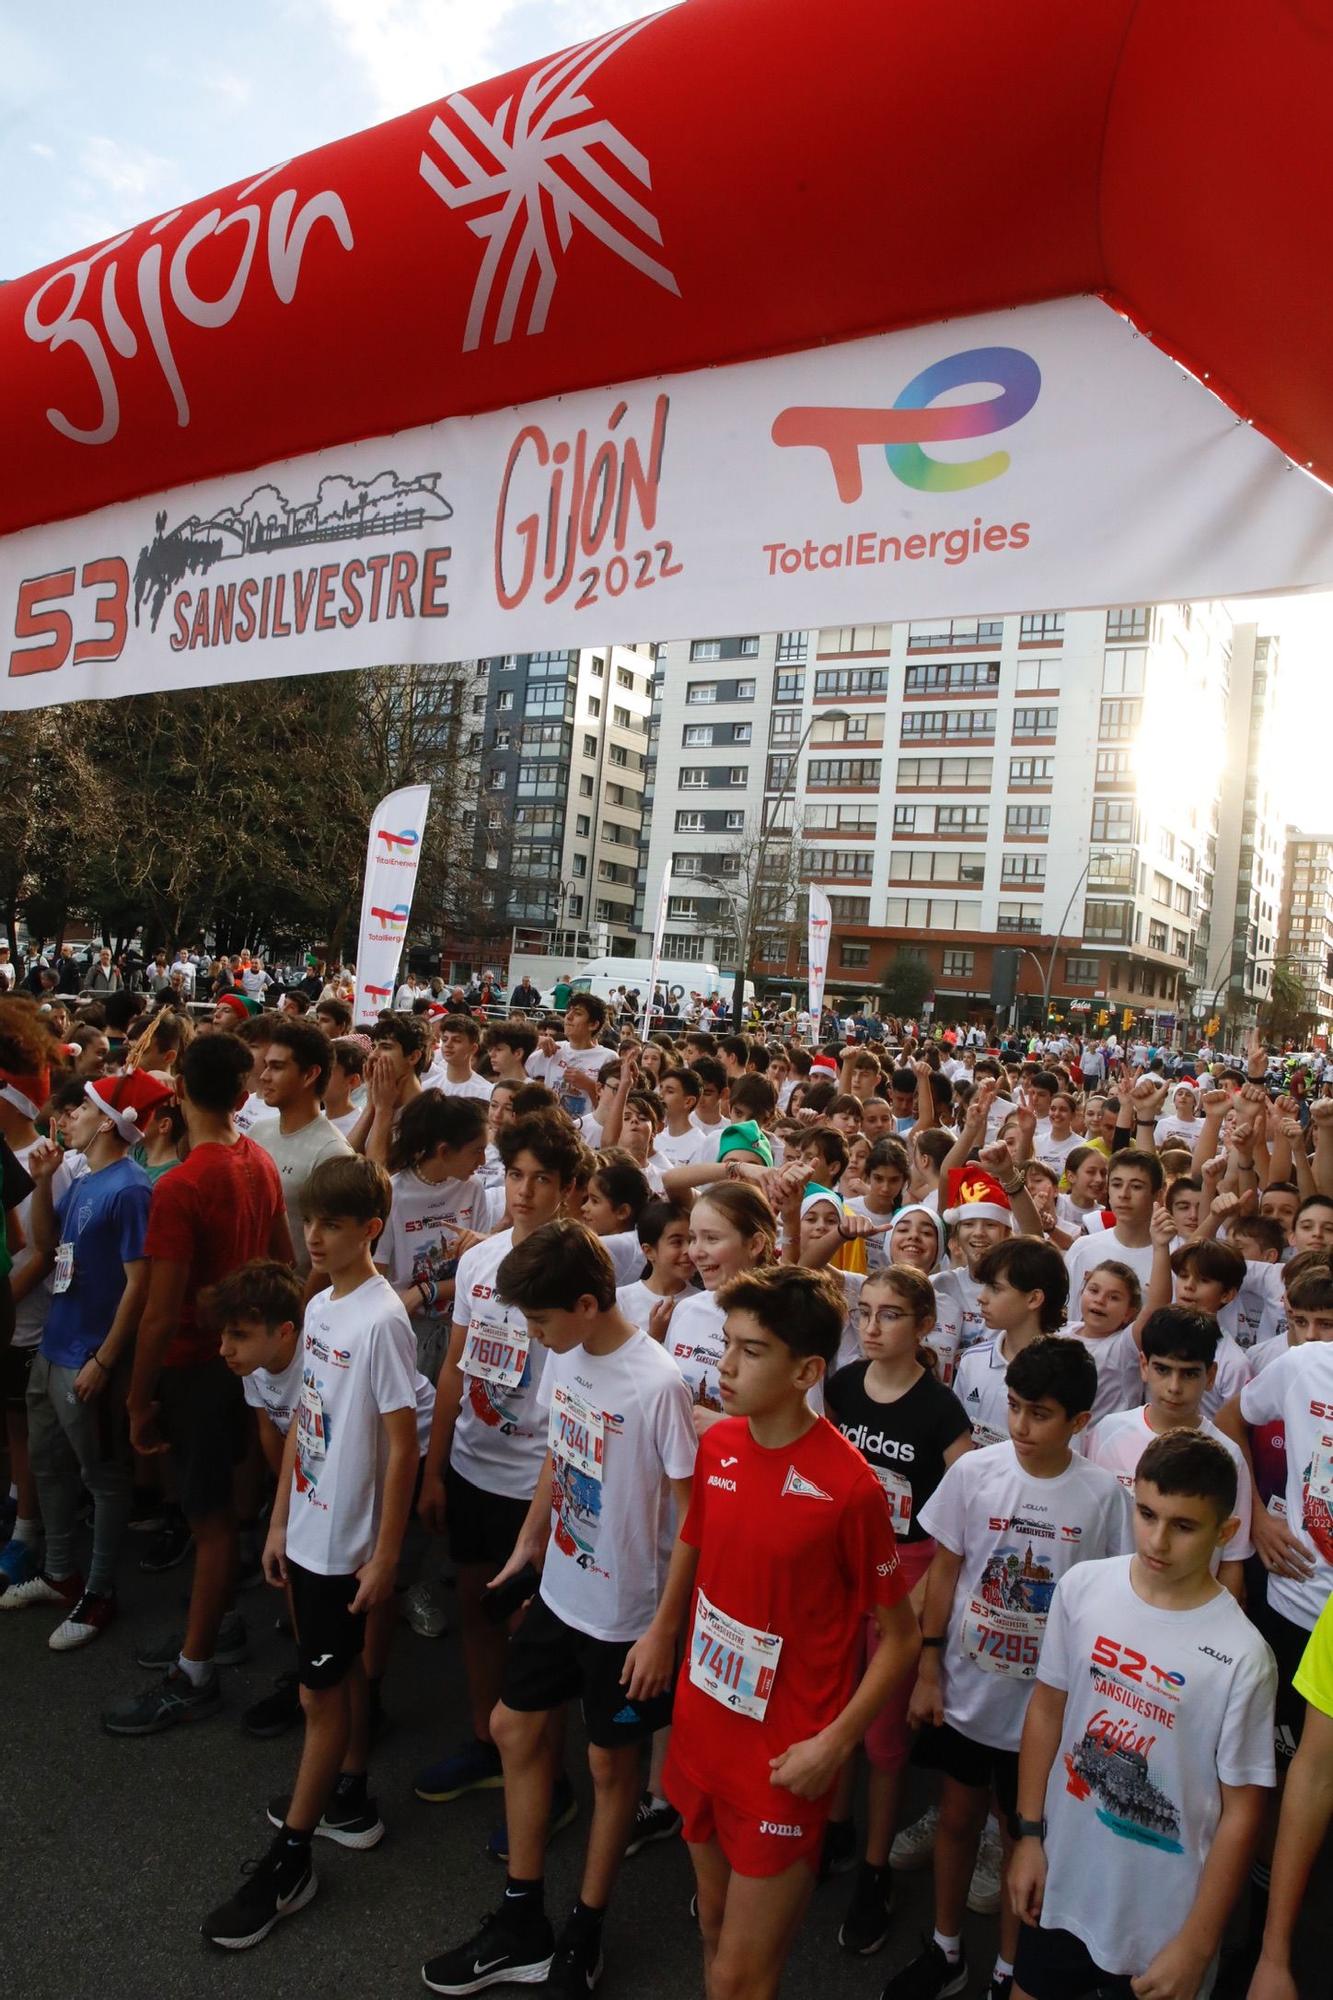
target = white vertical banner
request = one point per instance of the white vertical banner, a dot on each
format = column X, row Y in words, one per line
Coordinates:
column 659, row 933
column 393, row 854
column 820, row 932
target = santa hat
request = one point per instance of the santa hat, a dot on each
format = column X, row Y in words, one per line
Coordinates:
column 824, row 1064
column 129, row 1101
column 27, row 1093
column 975, row 1195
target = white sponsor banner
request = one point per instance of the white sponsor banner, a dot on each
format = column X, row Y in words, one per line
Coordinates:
column 1041, row 457
column 393, row 855
column 820, row 937
column 659, row 933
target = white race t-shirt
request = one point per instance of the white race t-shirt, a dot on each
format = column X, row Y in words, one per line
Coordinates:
column 278, row 1396
column 980, row 1387
column 253, row 1109
column 471, row 1086
column 1233, row 1372
column 626, row 1254
column 1053, row 1152
column 637, row 1302
column 1297, row 1387
column 425, row 1223
column 682, row 1149
column 1017, row 1536
column 962, row 1292
column 619, row 1429
column 30, row 1312
column 1103, row 1246
column 1119, row 1442
column 358, row 1363
column 1162, row 1709
column 567, row 1065
column 1119, row 1377
column 499, row 1440
column 694, row 1341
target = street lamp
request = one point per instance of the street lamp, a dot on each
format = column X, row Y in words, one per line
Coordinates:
column 745, row 937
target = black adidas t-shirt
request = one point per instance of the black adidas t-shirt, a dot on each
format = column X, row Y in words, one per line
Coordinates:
column 903, row 1442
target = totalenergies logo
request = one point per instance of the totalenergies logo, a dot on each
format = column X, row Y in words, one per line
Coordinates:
column 397, row 916
column 915, row 419
column 393, row 840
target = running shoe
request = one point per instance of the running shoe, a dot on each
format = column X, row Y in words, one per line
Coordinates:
column 983, row 1893
column 42, row 1589
column 865, row 1928
column 88, row 1620
column 424, row 1612
column 350, row 1825
column 168, row 1547
column 275, row 1887
column 504, row 1952
column 930, row 1976
column 652, row 1823
column 18, row 1562
column 275, row 1713
column 576, row 1965
column 915, row 1845
column 173, row 1699
column 474, row 1767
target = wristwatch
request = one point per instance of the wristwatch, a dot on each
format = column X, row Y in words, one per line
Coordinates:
column 1026, row 1829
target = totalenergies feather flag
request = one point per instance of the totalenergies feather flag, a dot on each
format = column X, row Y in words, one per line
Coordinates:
column 821, row 931
column 393, row 855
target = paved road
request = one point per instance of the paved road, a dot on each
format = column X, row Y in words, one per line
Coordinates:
column 112, row 1850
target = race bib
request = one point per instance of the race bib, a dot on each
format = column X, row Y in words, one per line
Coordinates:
column 311, row 1437
column 495, row 1352
column 1002, row 1642
column 983, row 1435
column 62, row 1277
column 732, row 1662
column 1277, row 1506
column 1321, row 1469
column 578, row 1432
column 898, row 1492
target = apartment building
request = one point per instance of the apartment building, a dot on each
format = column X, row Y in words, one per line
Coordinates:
column 1049, row 780
column 1305, row 935
column 1241, row 945
column 562, row 741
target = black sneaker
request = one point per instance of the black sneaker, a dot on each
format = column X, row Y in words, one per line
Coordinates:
column 576, row 1966
column 930, row 1976
column 838, row 1854
column 171, row 1700
column 350, row 1825
column 1001, row 1986
column 474, row 1767
column 865, row 1928
column 275, row 1887
column 651, row 1823
column 503, row 1953
column 168, row 1547
column 274, row 1713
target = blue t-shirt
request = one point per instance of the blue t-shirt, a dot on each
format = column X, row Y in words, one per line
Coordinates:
column 102, row 1217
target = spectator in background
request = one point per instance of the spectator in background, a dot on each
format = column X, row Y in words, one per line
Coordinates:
column 102, row 976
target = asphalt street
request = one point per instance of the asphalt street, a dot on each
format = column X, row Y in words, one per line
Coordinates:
column 112, row 1850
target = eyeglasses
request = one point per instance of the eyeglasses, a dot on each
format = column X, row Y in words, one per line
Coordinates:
column 881, row 1316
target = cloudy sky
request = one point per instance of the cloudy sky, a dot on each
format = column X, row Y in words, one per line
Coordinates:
column 110, row 113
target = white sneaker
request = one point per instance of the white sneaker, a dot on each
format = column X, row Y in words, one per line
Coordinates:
column 424, row 1612
column 40, row 1589
column 983, row 1895
column 915, row 1845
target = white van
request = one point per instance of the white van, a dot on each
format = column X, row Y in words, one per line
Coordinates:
column 678, row 977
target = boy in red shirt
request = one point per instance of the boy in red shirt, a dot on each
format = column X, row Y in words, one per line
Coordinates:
column 786, row 1549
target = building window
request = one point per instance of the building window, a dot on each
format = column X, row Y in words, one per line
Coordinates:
column 689, row 822
column 582, row 826
column 1180, row 945
column 741, row 732
column 841, row 819
column 1125, row 673
column 789, row 687
column 1157, row 939
column 594, row 706
column 784, row 728
column 904, row 818
column 1106, row 921
column 622, row 718
column 1019, row 917
column 495, row 782
column 953, row 677
column 1040, row 627
column 850, row 909
column 1182, row 900
column 697, row 735
column 1037, row 675
column 624, row 678
column 945, row 774
column 580, row 864
column 1161, row 888
column 843, row 773
column 939, row 633
column 853, row 955
column 744, row 691
column 706, row 649
column 846, row 681
column 598, row 666
column 838, row 862
column 1113, row 767
column 855, row 639
column 590, row 746
column 683, row 944
column 1031, row 771
column 1118, row 721
column 699, row 692
column 1023, row 869
column 962, row 819
column 958, row 964
column 779, row 773
column 737, row 774
column 504, row 700
column 585, row 786
column 1113, row 819
column 735, row 822
column 682, row 908
column 947, row 722
column 1126, row 624
column 1027, row 819
column 1083, row 971
column 791, row 648
column 693, row 777
column 1035, row 722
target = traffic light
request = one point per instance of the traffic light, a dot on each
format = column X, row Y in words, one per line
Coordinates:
column 1126, row 1020
column 1103, row 1017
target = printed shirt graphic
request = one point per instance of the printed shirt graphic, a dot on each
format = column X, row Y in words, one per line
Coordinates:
column 425, row 1224
column 1017, row 1537
column 1118, row 1442
column 794, row 1541
column 499, row 1440
column 1162, row 1709
column 566, row 1069
column 1297, row 1387
column 279, row 1396
column 358, row 1362
column 631, row 1423
column 694, row 1342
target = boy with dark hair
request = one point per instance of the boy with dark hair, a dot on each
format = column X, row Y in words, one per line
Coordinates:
column 822, row 1151
column 1206, row 1277
column 709, row 1113
column 459, row 1042
column 787, row 1547
column 343, row 1496
column 1178, row 1349
column 698, row 1042
column 1147, row 1750
column 334, row 1016
column 297, row 1062
column 509, row 1044
column 1007, row 1523
column 488, row 1441
column 1313, row 1227
column 344, row 1084
column 621, row 1451
column 222, row 1206
column 681, row 1139
column 734, row 1054
column 574, row 1069
column 752, row 1097
column 1024, row 1291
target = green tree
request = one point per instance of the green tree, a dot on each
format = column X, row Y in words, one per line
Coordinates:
column 906, row 983
column 1286, row 1011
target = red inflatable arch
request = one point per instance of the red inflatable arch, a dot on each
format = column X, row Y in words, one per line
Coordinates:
column 725, row 181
